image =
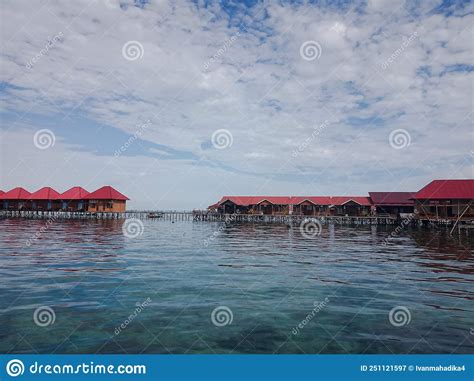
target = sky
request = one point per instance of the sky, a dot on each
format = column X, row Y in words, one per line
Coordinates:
column 177, row 103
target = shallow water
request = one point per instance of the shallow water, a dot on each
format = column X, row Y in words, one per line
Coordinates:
column 282, row 293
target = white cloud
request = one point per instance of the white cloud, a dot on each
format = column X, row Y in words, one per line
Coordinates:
column 259, row 88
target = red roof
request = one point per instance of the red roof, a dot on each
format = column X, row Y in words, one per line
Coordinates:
column 74, row 193
column 342, row 200
column 392, row 198
column 241, row 200
column 276, row 200
column 17, row 194
column 1, row 193
column 46, row 193
column 447, row 189
column 106, row 193
column 295, row 200
column 254, row 200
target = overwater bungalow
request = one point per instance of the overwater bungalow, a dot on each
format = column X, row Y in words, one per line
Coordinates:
column 74, row 199
column 16, row 199
column 446, row 199
column 440, row 199
column 271, row 205
column 45, row 199
column 106, row 199
column 358, row 206
column 299, row 205
column 311, row 206
column 392, row 203
column 237, row 204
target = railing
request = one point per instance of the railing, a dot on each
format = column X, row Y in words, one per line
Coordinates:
column 204, row 215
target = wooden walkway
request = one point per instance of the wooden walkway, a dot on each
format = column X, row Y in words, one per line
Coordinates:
column 205, row 216
column 294, row 218
column 193, row 216
column 62, row 215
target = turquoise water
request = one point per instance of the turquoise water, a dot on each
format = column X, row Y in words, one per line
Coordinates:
column 277, row 292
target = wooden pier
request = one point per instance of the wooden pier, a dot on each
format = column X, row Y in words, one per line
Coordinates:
column 206, row 216
column 63, row 215
column 192, row 216
column 294, row 218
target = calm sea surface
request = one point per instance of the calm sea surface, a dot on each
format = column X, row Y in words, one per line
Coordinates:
column 96, row 291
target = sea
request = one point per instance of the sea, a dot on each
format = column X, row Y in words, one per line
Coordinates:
column 153, row 286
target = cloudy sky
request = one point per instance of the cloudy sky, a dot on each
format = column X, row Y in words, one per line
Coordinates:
column 176, row 103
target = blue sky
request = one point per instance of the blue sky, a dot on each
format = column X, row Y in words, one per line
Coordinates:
column 177, row 103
